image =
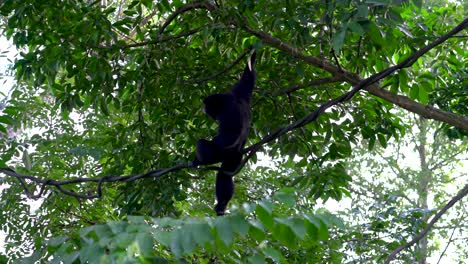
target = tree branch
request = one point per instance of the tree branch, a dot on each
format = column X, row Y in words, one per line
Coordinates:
column 183, row 9
column 426, row 111
column 59, row 184
column 347, row 96
column 463, row 192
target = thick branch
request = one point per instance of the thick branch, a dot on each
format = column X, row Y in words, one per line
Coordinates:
column 455, row 199
column 426, row 111
column 359, row 86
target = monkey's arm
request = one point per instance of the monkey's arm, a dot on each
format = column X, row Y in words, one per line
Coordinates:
column 243, row 89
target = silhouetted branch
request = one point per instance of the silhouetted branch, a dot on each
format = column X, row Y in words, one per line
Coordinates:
column 59, row 184
column 463, row 192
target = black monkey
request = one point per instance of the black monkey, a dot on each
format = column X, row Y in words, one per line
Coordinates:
column 232, row 111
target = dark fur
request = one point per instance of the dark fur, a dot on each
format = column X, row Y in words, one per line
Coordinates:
column 232, row 111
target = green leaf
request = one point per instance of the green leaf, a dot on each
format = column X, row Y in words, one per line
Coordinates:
column 418, row 3
column 284, row 233
column 163, row 237
column 286, row 196
column 371, row 143
column 147, row 3
column 5, row 120
column 379, row 2
column 296, row 225
column 403, row 81
column 201, row 232
column 26, row 160
column 103, row 105
column 414, row 92
column 382, row 140
column 423, row 95
column 263, row 212
column 239, row 224
column 256, row 230
column 176, row 243
column 376, row 36
column 145, row 244
column 274, row 254
column 339, row 37
column 57, row 241
column 362, row 11
column 331, row 219
column 224, row 230
column 90, row 252
column 300, row 70
column 186, row 239
column 356, row 28
column 117, row 227
column 256, row 259
column 316, row 228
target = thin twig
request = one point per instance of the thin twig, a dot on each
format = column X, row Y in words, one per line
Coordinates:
column 183, row 9
column 320, row 81
column 214, row 76
column 154, row 41
column 144, row 21
column 463, row 192
column 59, row 184
column 448, row 243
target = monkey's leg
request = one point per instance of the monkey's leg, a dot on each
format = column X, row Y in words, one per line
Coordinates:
column 224, row 181
column 224, row 191
column 207, row 153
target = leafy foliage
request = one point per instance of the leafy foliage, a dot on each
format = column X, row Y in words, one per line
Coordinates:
column 116, row 87
column 144, row 239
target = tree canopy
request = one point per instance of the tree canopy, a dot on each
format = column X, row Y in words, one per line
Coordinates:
column 106, row 110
